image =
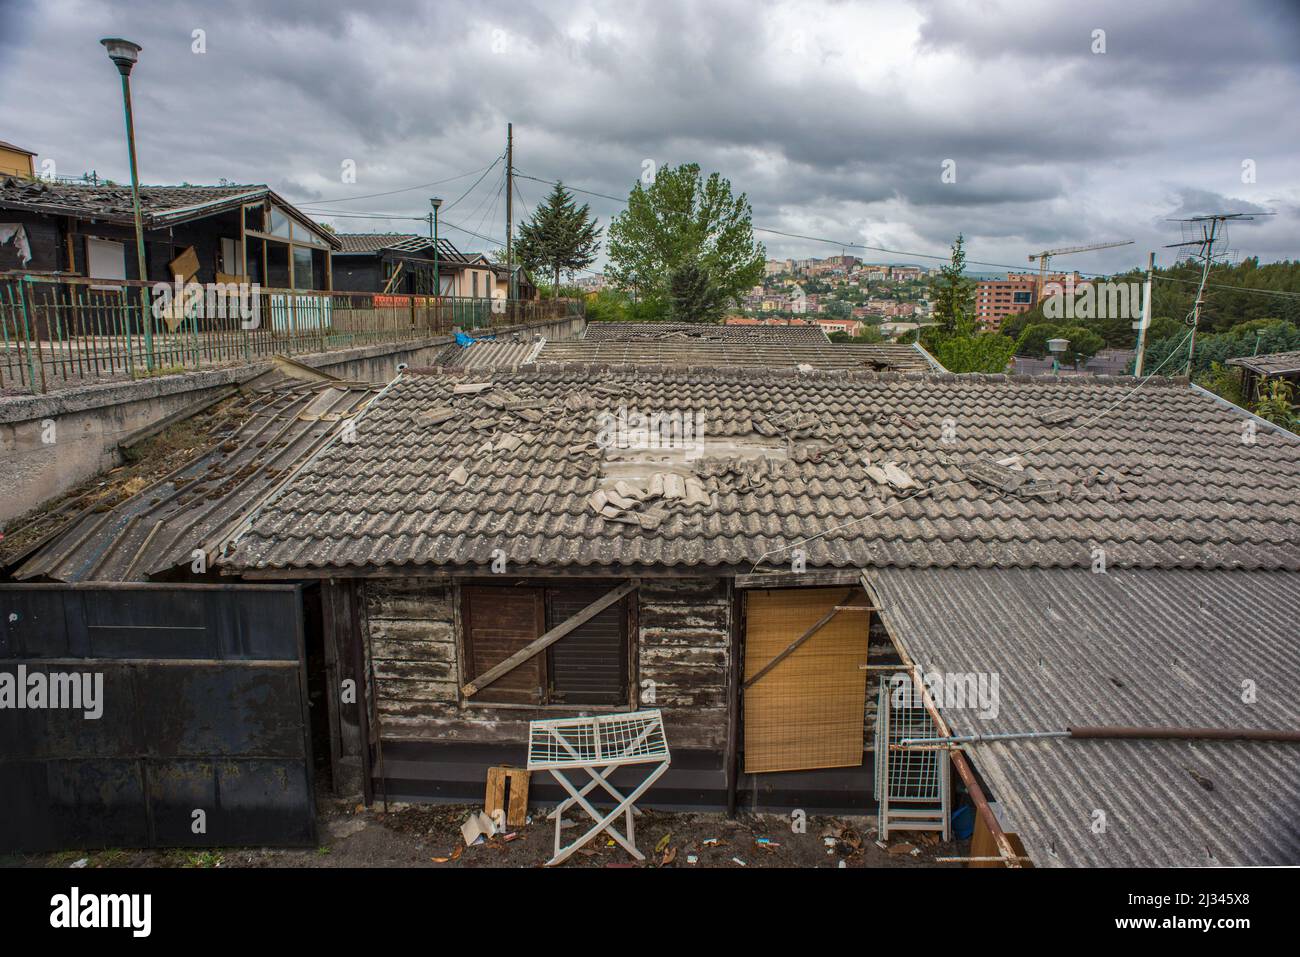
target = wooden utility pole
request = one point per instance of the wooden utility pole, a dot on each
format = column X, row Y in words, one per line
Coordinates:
column 510, row 222
column 1146, row 316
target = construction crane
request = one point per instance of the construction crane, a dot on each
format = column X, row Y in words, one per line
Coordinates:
column 1046, row 256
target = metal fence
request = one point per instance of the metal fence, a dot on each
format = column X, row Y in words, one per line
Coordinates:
column 59, row 330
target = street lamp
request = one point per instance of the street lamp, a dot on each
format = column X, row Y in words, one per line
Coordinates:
column 433, row 226
column 124, row 53
column 1057, row 347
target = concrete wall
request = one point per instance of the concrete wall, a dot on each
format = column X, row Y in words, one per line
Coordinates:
column 51, row 443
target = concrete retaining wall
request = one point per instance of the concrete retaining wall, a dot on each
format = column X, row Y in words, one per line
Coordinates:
column 51, row 443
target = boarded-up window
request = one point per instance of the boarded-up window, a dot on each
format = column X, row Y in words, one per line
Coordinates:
column 498, row 622
column 588, row 666
column 807, row 711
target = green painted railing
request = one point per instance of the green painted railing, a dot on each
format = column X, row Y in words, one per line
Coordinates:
column 58, row 330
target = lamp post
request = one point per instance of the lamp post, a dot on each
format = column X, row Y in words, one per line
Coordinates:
column 1057, row 347
column 124, row 53
column 433, row 226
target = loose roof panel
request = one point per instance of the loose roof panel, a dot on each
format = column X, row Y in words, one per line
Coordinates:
column 157, row 530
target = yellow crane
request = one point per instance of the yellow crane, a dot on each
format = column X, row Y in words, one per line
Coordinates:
column 1046, row 255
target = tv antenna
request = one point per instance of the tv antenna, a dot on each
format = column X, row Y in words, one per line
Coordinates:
column 1209, row 234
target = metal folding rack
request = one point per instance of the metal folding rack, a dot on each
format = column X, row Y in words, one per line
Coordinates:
column 598, row 745
column 912, row 786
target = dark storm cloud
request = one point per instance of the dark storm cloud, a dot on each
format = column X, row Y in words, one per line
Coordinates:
column 835, row 118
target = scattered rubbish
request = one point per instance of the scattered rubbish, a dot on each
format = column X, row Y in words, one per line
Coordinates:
column 844, row 863
column 670, row 855
column 663, row 843
column 766, row 842
column 739, row 861
column 1013, row 462
column 692, row 859
column 710, row 842
column 78, row 864
column 898, row 850
column 478, row 826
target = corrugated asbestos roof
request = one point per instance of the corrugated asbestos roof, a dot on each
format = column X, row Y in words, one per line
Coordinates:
column 1145, row 648
column 508, row 352
column 157, row 529
column 686, row 331
column 357, row 243
column 735, row 353
column 1273, row 363
column 857, row 469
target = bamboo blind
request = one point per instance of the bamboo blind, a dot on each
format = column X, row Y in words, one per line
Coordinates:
column 807, row 712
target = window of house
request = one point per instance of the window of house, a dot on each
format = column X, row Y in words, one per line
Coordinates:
column 587, row 667
column 1021, row 297
column 105, row 259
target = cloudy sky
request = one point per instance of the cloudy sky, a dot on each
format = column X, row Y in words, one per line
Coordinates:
column 836, row 118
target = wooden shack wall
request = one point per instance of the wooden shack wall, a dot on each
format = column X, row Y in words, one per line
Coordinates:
column 682, row 652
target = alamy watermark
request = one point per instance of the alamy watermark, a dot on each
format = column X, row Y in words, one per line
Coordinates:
column 177, row 301
column 624, row 429
column 1093, row 300
column 57, row 690
column 968, row 690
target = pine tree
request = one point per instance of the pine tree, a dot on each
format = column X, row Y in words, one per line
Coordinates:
column 953, row 293
column 560, row 237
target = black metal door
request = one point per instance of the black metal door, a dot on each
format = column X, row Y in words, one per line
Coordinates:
column 145, row 715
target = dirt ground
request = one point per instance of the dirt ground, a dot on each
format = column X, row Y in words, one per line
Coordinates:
column 429, row 836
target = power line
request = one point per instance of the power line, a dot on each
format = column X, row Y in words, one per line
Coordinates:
column 474, row 185
column 404, row 189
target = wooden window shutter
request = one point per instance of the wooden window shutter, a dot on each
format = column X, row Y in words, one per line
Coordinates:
column 497, row 623
column 588, row 665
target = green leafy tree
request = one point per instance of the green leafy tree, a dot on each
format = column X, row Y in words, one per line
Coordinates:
column 1276, row 404
column 952, row 292
column 1033, row 340
column 988, row 352
column 679, row 220
column 561, row 237
column 1084, row 344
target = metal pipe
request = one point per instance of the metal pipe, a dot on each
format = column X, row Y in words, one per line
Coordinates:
column 1116, row 732
column 1186, row 734
column 976, row 738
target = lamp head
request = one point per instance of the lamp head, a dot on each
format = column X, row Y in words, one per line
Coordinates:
column 124, row 53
